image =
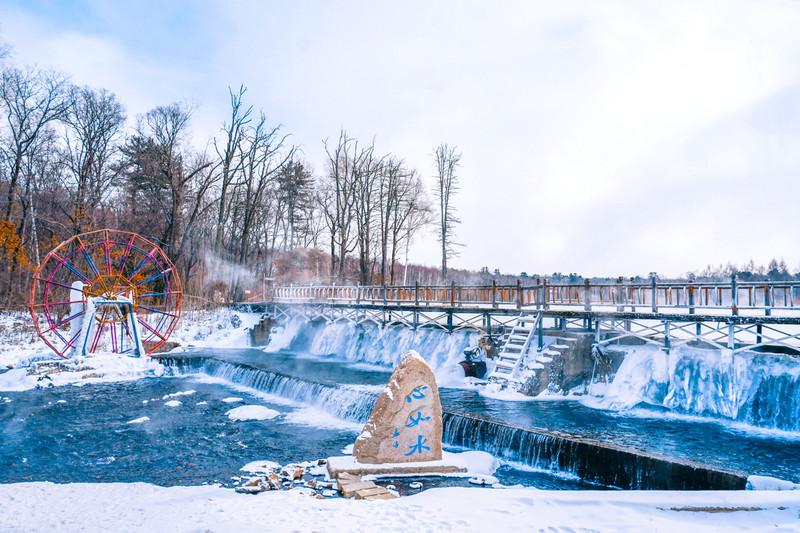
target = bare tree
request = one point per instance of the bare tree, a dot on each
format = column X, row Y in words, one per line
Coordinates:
column 447, row 160
column 413, row 213
column 367, row 171
column 338, row 198
column 30, row 100
column 94, row 124
column 229, row 163
column 263, row 155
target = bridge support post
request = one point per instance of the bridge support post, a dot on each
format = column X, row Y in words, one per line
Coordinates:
column 654, row 292
column 731, row 336
column 545, row 295
column 767, row 301
column 666, row 336
column 587, row 296
column 539, row 333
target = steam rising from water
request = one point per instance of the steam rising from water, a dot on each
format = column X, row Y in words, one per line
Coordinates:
column 224, row 271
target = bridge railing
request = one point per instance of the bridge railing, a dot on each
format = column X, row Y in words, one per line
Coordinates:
column 734, row 297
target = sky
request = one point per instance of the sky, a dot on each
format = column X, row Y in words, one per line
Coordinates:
column 602, row 138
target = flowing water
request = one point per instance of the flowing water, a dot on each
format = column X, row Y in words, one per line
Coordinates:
column 324, row 381
column 348, row 391
column 98, row 433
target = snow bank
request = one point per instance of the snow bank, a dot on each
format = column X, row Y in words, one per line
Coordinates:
column 19, row 342
column 80, row 370
column 770, row 483
column 220, row 328
column 145, row 507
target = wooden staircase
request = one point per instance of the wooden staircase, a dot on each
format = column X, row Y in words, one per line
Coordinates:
column 517, row 343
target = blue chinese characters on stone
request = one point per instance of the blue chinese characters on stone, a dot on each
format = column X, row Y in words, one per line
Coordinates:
column 419, row 446
column 414, row 421
column 416, row 394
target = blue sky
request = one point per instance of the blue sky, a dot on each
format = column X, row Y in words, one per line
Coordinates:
column 605, row 138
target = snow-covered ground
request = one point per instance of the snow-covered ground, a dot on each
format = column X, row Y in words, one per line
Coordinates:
column 45, row 506
column 48, row 507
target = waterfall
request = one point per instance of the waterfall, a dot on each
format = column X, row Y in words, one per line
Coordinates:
column 343, row 402
column 759, row 389
column 371, row 343
column 592, row 461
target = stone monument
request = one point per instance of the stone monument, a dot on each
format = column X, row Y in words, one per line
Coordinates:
column 406, row 424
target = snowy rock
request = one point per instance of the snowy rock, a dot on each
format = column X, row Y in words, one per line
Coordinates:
column 406, row 424
column 292, row 472
column 233, row 399
column 260, row 466
column 252, row 412
column 770, row 483
column 254, row 486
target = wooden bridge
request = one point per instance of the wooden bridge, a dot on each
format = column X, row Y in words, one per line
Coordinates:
column 731, row 315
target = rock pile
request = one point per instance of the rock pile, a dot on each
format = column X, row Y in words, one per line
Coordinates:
column 282, row 479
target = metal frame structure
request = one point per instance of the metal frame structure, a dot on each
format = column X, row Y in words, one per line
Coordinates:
column 128, row 283
column 710, row 298
column 734, row 316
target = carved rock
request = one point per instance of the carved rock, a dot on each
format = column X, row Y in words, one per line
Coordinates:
column 406, row 424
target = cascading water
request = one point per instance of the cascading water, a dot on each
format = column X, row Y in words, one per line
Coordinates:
column 759, row 389
column 373, row 344
column 541, row 449
column 343, row 402
column 592, row 461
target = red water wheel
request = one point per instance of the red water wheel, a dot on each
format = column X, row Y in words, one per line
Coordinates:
column 122, row 271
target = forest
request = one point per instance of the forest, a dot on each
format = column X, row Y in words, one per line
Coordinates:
column 244, row 210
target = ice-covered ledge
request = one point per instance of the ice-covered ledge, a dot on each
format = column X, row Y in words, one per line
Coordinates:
column 449, row 464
